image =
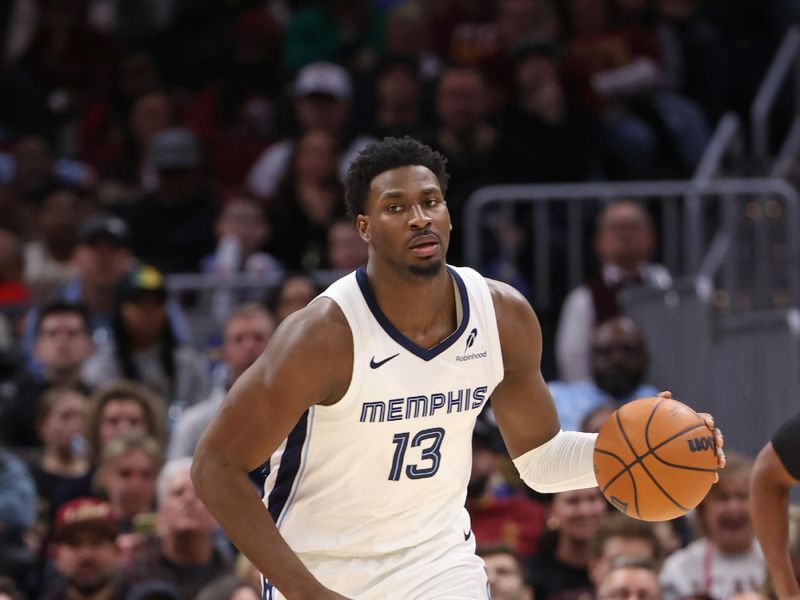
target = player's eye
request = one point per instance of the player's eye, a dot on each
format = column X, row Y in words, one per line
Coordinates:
column 394, row 208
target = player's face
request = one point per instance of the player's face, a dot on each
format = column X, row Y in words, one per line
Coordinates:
column 726, row 515
column 407, row 223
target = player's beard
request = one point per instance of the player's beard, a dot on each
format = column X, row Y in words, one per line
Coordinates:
column 427, row 271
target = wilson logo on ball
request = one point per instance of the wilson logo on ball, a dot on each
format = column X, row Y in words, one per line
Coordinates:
column 701, row 443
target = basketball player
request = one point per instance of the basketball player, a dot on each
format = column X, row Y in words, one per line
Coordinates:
column 775, row 472
column 363, row 406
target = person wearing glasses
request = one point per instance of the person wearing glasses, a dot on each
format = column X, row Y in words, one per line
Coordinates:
column 619, row 362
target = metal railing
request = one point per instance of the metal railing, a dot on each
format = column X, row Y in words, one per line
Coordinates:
column 730, row 199
column 784, row 65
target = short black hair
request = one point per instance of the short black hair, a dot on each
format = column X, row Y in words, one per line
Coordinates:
column 390, row 153
column 64, row 307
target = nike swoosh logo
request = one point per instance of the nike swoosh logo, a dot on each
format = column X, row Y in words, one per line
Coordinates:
column 467, row 535
column 377, row 364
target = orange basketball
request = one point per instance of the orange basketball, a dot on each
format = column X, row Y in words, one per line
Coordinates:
column 655, row 459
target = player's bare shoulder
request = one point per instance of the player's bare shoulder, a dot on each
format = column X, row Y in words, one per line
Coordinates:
column 315, row 342
column 517, row 323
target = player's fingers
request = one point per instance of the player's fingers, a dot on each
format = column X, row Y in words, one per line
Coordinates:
column 719, row 439
column 665, row 394
column 721, row 460
column 707, row 419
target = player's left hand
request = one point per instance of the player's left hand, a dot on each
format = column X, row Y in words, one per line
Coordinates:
column 719, row 439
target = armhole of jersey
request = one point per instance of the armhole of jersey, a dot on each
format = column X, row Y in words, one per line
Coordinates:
column 356, row 372
column 485, row 294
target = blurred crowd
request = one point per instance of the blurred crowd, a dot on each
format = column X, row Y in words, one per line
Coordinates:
column 144, row 139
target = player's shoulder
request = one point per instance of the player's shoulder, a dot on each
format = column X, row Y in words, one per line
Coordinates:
column 507, row 299
column 319, row 327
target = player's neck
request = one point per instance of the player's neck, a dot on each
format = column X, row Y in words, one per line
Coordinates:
column 417, row 306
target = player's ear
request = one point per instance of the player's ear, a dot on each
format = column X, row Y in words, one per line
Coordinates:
column 363, row 228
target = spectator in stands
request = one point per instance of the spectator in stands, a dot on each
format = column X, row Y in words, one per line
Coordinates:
column 624, row 244
column 727, row 559
column 514, row 520
column 85, row 553
column 242, row 229
column 628, row 578
column 236, row 116
column 619, row 71
column 48, row 256
column 506, row 574
column 620, row 537
column 397, row 98
column 173, row 226
column 476, row 152
column 33, row 178
column 295, row 291
column 105, row 135
column 13, row 291
column 228, row 587
column 619, row 362
column 408, row 33
column 62, row 471
column 349, row 32
column 102, row 256
column 322, row 95
column 307, row 200
column 123, row 164
column 564, row 140
column 184, row 552
column 8, row 590
column 145, row 348
column 126, row 475
column 17, row 515
column 120, row 409
column 246, row 333
column 559, row 570
column 62, row 346
column 346, row 250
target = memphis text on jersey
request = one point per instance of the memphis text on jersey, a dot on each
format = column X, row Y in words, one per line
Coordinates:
column 414, row 407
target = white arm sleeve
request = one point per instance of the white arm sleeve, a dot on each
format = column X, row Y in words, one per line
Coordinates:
column 562, row 463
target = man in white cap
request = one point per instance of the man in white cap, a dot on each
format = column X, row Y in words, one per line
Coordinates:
column 322, row 93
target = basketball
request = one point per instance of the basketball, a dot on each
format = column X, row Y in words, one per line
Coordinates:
column 655, row 459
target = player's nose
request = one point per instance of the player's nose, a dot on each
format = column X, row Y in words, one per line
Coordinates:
column 419, row 217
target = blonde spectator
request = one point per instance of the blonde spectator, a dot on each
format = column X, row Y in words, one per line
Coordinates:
column 726, row 559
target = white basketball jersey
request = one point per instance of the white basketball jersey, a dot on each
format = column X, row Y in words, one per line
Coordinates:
column 386, row 468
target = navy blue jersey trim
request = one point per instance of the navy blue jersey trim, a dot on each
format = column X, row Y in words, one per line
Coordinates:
column 258, row 476
column 288, row 469
column 392, row 331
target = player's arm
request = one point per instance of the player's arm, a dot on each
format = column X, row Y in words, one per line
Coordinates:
column 770, row 483
column 548, row 459
column 307, row 362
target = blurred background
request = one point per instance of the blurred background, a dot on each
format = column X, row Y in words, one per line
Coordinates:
column 171, row 189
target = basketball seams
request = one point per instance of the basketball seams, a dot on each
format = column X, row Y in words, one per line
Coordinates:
column 644, row 417
column 652, row 451
column 625, row 469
